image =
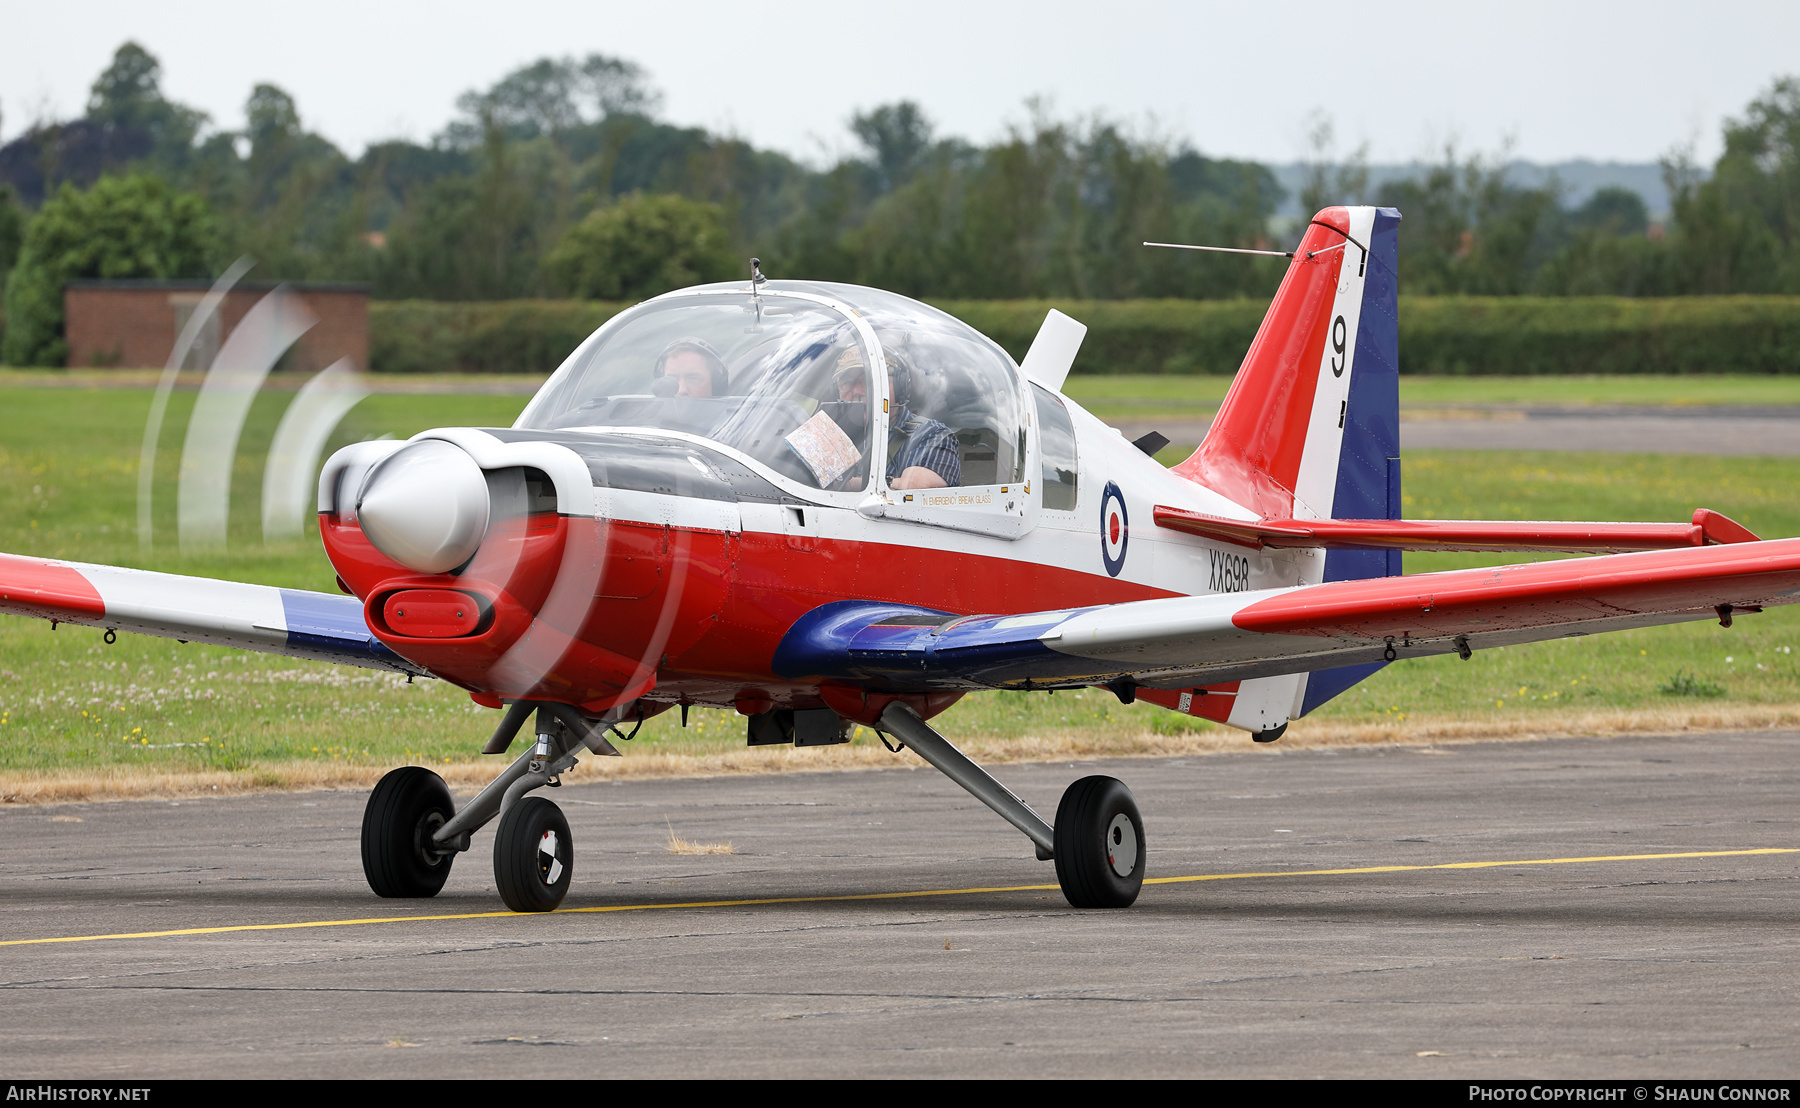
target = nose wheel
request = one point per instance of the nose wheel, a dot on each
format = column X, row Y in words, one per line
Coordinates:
column 533, row 856
column 405, row 809
column 1099, row 844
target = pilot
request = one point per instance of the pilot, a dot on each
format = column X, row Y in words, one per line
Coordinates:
column 921, row 451
column 695, row 368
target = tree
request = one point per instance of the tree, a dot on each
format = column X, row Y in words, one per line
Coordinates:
column 272, row 118
column 476, row 236
column 126, row 101
column 135, row 226
column 1612, row 210
column 127, row 92
column 12, row 231
column 642, row 246
column 899, row 137
column 290, row 203
column 1740, row 230
column 1470, row 230
column 1329, row 181
column 128, row 124
column 552, row 95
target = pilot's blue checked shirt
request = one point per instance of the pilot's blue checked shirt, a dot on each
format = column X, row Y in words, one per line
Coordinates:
column 914, row 440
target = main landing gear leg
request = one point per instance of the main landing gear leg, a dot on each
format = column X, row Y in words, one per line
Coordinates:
column 1098, row 840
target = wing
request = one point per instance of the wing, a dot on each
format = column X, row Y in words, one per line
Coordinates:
column 196, row 609
column 1187, row 642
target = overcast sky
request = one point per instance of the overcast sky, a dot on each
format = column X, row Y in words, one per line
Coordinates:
column 1607, row 81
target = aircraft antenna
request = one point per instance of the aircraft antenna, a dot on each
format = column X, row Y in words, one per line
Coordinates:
column 1222, row 249
column 756, row 280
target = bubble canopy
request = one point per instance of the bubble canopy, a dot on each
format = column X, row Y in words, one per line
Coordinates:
column 794, row 378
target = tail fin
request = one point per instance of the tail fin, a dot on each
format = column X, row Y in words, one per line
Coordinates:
column 1310, row 428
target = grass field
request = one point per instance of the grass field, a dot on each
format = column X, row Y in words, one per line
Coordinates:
column 70, row 704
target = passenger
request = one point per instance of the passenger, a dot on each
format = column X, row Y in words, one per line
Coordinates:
column 921, row 452
column 694, row 366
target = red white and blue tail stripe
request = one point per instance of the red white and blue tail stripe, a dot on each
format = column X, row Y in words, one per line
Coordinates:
column 1310, row 429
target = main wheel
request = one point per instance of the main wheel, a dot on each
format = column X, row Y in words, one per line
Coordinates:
column 1099, row 844
column 406, row 808
column 533, row 856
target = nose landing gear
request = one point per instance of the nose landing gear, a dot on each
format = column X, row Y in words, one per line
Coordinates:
column 411, row 830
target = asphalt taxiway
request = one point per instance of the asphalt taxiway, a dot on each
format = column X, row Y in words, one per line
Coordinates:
column 1574, row 907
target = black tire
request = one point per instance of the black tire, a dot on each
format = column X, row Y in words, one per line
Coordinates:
column 406, row 807
column 531, row 869
column 1094, row 822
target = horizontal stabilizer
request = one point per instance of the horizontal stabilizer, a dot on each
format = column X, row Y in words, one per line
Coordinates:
column 1709, row 528
column 292, row 622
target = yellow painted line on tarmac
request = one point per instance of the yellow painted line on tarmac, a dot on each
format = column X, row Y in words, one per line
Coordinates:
column 1474, row 865
column 843, row 898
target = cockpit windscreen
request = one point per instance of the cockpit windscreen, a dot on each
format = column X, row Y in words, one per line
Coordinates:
column 783, row 380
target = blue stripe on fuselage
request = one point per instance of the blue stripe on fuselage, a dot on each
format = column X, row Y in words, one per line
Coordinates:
column 902, row 648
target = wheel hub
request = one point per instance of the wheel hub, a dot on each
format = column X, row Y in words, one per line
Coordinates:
column 550, row 867
column 1121, row 845
column 424, row 839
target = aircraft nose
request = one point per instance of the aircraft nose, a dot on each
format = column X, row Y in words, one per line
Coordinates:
column 425, row 506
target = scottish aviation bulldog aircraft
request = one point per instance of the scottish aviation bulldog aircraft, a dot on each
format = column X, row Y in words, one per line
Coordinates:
column 825, row 505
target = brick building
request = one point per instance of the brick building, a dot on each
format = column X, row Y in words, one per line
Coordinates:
column 134, row 324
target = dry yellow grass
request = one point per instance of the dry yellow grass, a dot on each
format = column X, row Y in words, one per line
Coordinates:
column 679, row 845
column 123, row 783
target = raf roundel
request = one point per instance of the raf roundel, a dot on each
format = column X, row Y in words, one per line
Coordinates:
column 1115, row 529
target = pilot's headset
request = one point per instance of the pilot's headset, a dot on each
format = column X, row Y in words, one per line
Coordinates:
column 663, row 385
column 900, row 372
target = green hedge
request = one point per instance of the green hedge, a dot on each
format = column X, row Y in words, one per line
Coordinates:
column 1600, row 334
column 1438, row 335
column 1128, row 336
column 501, row 336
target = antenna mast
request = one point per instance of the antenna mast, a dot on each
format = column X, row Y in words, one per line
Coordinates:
column 1223, row 249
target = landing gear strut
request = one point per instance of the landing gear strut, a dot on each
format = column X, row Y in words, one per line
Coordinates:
column 1098, row 840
